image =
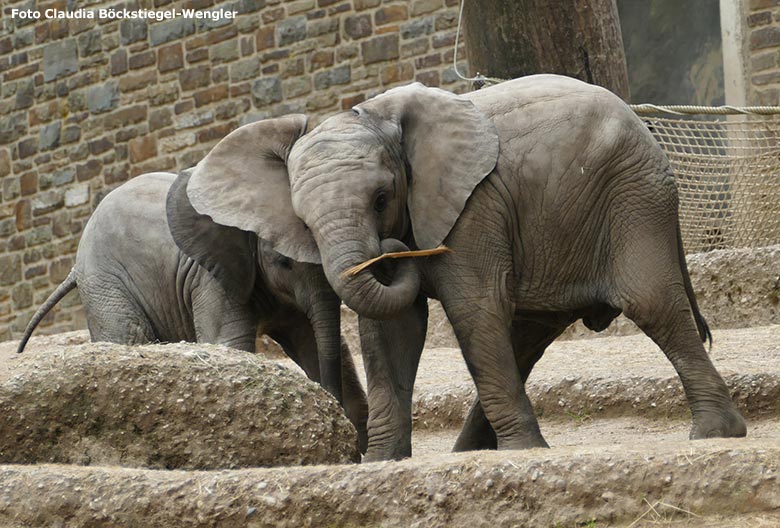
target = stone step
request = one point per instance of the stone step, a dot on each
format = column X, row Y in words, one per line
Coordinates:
column 614, row 486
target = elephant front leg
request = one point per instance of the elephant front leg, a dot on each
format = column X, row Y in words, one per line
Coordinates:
column 503, row 405
column 529, row 339
column 296, row 336
column 391, row 354
column 218, row 319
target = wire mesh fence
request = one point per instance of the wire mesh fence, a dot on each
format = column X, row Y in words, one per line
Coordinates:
column 728, row 178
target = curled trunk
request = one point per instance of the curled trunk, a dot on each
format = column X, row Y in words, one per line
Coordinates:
column 364, row 292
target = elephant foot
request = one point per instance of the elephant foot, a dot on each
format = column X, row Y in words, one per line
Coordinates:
column 524, row 444
column 526, row 440
column 726, row 423
column 473, row 441
column 380, row 452
column 373, row 455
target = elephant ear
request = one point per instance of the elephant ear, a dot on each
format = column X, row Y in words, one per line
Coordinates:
column 229, row 254
column 450, row 145
column 243, row 183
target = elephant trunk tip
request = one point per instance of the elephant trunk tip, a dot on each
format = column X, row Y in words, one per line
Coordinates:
column 366, row 293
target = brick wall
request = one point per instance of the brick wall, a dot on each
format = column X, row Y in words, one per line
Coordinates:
column 762, row 63
column 87, row 104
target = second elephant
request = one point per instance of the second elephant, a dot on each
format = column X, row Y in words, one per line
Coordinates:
column 222, row 287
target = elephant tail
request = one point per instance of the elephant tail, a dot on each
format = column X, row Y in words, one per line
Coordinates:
column 701, row 323
column 63, row 289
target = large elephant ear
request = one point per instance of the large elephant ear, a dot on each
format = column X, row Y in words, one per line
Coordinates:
column 229, row 254
column 450, row 145
column 243, row 183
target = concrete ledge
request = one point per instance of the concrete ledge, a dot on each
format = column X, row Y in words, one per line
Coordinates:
column 756, row 396
column 559, row 487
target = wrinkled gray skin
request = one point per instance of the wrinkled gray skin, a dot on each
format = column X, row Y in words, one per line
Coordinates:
column 138, row 287
column 558, row 205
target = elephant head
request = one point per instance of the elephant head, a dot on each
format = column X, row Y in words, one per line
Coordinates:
column 233, row 215
column 400, row 166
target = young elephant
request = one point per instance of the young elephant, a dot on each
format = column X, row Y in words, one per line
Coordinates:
column 557, row 204
column 138, row 287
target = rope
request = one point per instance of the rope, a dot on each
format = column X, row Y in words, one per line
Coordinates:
column 480, row 80
column 647, row 108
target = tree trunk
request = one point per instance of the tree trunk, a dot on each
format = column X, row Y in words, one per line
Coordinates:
column 578, row 38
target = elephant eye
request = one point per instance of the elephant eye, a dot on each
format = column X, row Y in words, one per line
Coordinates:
column 380, row 202
column 284, row 263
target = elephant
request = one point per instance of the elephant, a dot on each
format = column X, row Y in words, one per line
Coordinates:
column 556, row 204
column 219, row 285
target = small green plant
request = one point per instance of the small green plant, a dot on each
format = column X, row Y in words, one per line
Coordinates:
column 579, row 417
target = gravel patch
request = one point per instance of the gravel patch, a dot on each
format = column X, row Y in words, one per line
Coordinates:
column 616, row 460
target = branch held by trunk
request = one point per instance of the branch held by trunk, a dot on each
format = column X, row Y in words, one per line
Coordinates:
column 354, row 270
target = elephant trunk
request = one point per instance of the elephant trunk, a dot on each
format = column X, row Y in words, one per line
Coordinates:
column 364, row 292
column 325, row 316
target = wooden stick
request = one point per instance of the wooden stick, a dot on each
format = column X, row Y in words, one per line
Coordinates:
column 398, row 254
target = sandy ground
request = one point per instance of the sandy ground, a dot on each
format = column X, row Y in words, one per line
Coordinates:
column 592, row 377
column 743, row 351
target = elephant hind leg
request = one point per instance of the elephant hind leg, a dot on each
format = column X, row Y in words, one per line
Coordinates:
column 659, row 305
column 529, row 340
column 477, row 433
column 122, row 323
column 114, row 314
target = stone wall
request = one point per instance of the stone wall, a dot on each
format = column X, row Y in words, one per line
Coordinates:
column 763, row 21
column 752, row 57
column 87, row 104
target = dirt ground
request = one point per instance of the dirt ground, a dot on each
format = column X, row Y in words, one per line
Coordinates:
column 611, row 408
